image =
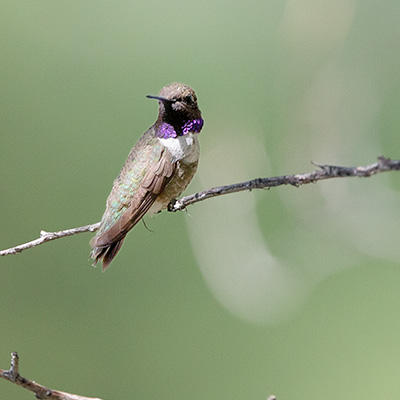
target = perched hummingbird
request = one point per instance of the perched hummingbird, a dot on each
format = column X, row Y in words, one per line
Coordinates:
column 158, row 169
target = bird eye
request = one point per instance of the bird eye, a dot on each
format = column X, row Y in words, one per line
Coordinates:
column 189, row 99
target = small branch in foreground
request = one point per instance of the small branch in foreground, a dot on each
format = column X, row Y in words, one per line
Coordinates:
column 41, row 392
column 325, row 172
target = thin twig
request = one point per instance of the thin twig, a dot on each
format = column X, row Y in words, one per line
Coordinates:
column 49, row 236
column 325, row 172
column 41, row 392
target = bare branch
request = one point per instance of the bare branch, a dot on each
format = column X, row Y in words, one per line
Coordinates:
column 41, row 392
column 49, row 236
column 325, row 172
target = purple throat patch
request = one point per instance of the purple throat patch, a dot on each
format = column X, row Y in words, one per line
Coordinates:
column 166, row 131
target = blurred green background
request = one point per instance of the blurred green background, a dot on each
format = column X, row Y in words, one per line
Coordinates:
column 290, row 291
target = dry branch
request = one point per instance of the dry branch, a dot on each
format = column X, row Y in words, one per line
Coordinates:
column 41, row 392
column 49, row 236
column 324, row 172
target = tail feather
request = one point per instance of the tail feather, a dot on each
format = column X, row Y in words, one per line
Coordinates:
column 106, row 254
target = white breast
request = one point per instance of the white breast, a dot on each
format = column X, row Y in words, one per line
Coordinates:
column 183, row 148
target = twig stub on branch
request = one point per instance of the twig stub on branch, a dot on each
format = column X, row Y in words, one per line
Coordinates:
column 41, row 392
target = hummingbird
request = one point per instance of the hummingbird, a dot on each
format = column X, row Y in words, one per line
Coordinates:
column 158, row 169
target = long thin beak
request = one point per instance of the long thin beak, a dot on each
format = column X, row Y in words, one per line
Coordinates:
column 164, row 99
